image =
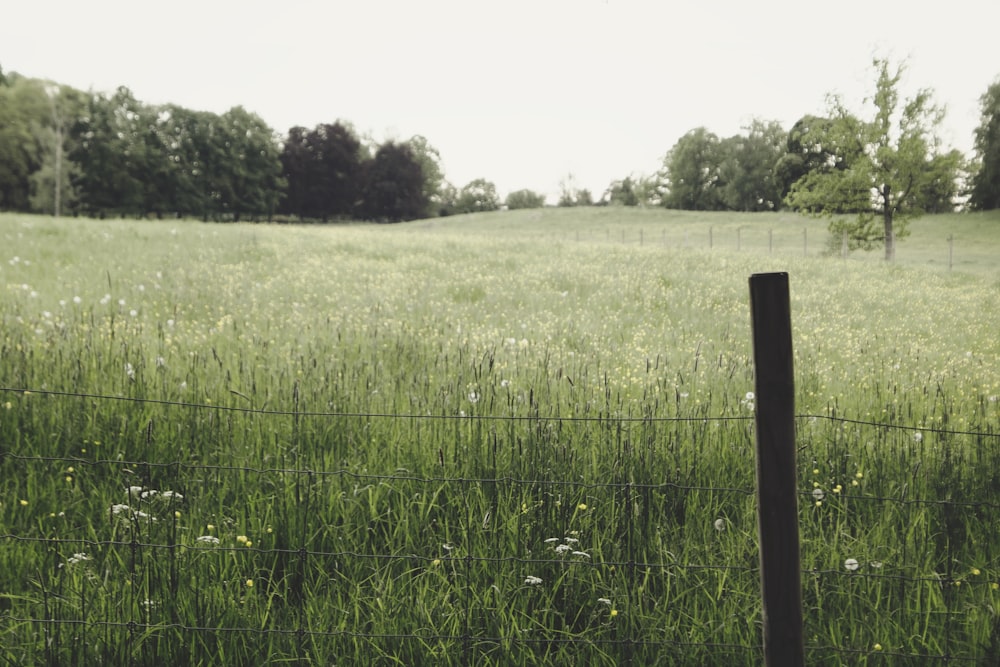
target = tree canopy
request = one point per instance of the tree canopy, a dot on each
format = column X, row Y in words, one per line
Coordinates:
column 985, row 191
column 888, row 161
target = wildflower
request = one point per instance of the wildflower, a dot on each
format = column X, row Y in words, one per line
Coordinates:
column 129, row 371
column 838, row 488
column 77, row 558
column 877, row 647
column 720, row 525
column 571, row 540
column 532, row 581
column 436, row 562
column 604, row 601
column 208, row 539
column 551, row 540
column 818, row 494
column 859, row 474
column 614, row 612
column 177, row 515
column 135, row 491
column 249, row 583
column 473, row 397
column 995, row 586
column 210, row 527
column 563, row 548
column 749, row 396
column 24, row 503
column 582, row 507
column 815, row 471
column 851, row 564
column 172, row 494
column 582, row 554
column 975, row 572
column 918, row 436
column 242, row 539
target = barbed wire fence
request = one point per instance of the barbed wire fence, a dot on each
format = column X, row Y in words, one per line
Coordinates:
column 41, row 613
column 784, row 241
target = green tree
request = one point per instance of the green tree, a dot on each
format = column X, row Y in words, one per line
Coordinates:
column 24, row 109
column 985, row 191
column 811, row 145
column 430, row 163
column 524, row 199
column 323, row 170
column 692, row 172
column 478, row 196
column 622, row 193
column 110, row 149
column 888, row 161
column 393, row 185
column 747, row 179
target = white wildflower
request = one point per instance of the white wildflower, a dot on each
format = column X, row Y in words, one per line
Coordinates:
column 532, row 581
column 918, row 436
column 604, row 601
column 77, row 558
column 208, row 539
column 563, row 548
column 720, row 525
column 851, row 564
column 582, row 554
column 819, row 494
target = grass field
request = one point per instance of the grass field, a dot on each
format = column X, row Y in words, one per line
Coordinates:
column 514, row 438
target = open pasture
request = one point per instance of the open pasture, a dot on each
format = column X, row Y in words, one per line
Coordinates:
column 516, row 438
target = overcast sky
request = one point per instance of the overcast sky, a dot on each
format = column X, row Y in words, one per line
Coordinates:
column 521, row 93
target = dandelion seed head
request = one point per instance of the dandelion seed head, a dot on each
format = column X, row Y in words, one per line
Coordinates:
column 851, row 564
column 720, row 525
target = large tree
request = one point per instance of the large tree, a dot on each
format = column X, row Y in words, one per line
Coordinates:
column 393, row 185
column 478, row 196
column 24, row 109
column 746, row 169
column 323, row 168
column 985, row 194
column 890, row 160
column 691, row 171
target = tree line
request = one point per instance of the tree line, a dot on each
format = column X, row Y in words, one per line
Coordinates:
column 72, row 152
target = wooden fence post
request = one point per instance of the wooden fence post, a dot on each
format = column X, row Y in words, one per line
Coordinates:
column 777, row 486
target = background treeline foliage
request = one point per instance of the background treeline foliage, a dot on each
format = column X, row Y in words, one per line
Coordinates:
column 65, row 151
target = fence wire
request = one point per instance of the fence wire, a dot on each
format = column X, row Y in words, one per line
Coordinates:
column 51, row 610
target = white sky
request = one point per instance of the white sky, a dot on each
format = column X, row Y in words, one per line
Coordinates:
column 518, row 92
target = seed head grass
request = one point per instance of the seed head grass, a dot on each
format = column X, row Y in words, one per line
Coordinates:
column 507, row 439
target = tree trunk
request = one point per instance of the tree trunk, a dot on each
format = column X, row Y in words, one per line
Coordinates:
column 890, row 241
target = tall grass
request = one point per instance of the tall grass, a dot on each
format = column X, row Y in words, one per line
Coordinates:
column 479, row 441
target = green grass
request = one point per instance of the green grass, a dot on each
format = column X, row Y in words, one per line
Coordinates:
column 552, row 382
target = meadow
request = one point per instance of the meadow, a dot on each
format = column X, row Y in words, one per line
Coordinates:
column 511, row 438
